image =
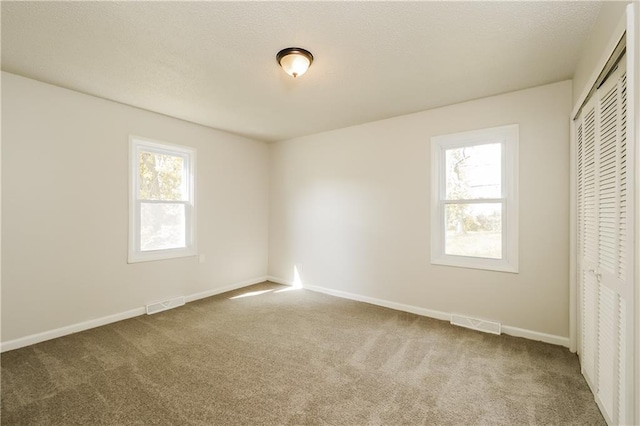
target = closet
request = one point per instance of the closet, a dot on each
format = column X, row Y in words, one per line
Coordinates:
column 604, row 246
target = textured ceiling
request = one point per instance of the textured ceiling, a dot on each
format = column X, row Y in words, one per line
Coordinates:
column 214, row 63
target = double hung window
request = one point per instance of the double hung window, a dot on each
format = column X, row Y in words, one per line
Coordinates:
column 474, row 199
column 162, row 205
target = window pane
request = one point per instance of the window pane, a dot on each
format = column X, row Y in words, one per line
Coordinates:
column 474, row 172
column 161, row 177
column 474, row 230
column 162, row 226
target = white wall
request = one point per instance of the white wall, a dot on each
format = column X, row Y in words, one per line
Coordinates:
column 352, row 208
column 65, row 209
column 610, row 20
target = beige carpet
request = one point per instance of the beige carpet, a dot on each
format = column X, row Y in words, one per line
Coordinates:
column 291, row 357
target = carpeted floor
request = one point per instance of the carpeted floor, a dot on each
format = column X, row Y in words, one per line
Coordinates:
column 283, row 356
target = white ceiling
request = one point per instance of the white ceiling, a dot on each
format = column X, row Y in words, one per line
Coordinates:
column 214, row 63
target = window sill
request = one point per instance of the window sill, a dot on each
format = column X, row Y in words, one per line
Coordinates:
column 149, row 256
column 496, row 265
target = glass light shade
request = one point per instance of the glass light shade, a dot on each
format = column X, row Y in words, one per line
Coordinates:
column 294, row 61
column 295, row 64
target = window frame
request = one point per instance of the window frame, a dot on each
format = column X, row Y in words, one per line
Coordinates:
column 508, row 136
column 136, row 145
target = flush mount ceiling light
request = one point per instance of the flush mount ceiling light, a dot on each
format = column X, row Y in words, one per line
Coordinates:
column 295, row 61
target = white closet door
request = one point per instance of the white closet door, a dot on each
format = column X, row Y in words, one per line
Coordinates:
column 605, row 258
column 587, row 240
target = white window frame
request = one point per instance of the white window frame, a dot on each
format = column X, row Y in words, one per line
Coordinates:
column 136, row 145
column 508, row 136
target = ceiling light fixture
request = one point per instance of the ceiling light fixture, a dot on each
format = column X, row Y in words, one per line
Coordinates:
column 295, row 61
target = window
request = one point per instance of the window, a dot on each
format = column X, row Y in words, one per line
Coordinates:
column 161, row 206
column 474, row 203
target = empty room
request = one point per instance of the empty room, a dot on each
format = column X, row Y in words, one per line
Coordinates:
column 301, row 213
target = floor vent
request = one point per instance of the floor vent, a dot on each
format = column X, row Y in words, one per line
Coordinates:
column 154, row 308
column 476, row 324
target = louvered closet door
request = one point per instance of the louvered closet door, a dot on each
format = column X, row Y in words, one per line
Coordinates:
column 587, row 239
column 605, row 258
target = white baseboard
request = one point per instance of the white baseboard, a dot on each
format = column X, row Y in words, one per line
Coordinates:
column 231, row 287
column 278, row 280
column 69, row 329
column 381, row 302
column 536, row 335
column 445, row 316
column 75, row 328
